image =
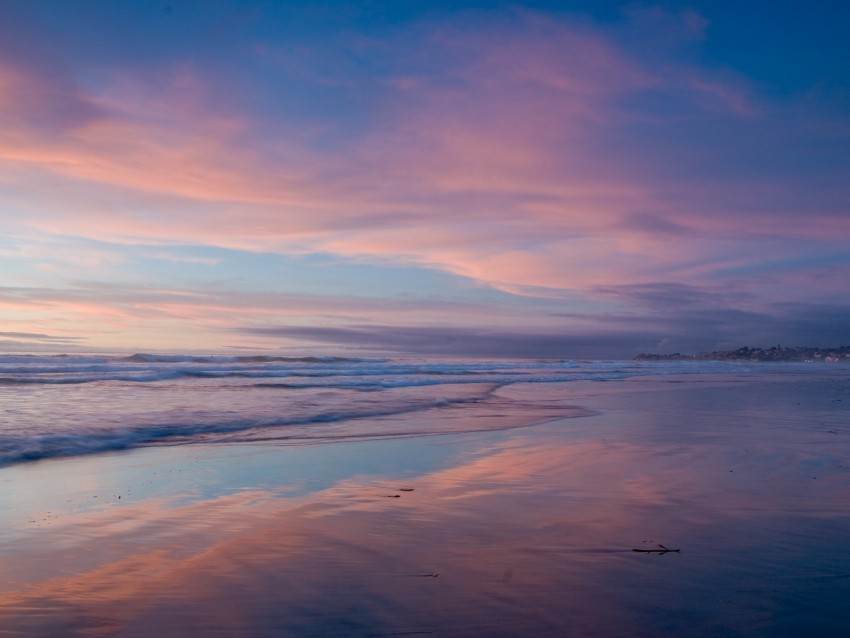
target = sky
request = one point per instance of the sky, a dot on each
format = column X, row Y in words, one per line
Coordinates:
column 429, row 178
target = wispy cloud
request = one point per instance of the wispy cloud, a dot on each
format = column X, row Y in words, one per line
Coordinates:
column 454, row 341
column 609, row 335
column 543, row 156
column 34, row 336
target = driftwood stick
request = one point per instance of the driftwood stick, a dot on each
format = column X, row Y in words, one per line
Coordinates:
column 662, row 550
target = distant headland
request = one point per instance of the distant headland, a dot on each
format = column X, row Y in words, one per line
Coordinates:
column 776, row 353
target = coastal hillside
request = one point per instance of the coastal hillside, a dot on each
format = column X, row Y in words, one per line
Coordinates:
column 775, row 353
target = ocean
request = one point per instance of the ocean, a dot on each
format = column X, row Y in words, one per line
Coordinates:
column 65, row 405
column 360, row 497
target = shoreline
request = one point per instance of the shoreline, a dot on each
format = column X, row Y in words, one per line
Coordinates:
column 528, row 530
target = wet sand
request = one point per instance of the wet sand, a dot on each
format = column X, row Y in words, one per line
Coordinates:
column 516, row 532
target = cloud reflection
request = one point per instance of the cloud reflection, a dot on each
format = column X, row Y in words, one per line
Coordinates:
column 534, row 528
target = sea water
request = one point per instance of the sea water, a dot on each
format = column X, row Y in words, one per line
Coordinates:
column 64, row 405
column 490, row 529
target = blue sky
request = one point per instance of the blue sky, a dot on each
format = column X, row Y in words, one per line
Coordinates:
column 499, row 179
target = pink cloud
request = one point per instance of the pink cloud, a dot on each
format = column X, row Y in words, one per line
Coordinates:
column 160, row 317
column 502, row 166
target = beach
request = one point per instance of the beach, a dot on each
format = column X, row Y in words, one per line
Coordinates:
column 519, row 515
column 470, row 319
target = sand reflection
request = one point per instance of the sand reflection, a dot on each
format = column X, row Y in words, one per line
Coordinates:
column 525, row 533
column 231, row 562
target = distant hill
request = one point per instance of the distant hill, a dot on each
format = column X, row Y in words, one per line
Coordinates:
column 776, row 353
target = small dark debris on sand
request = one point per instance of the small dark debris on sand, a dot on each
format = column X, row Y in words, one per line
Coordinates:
column 661, row 550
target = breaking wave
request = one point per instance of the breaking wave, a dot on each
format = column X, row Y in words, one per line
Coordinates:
column 65, row 405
